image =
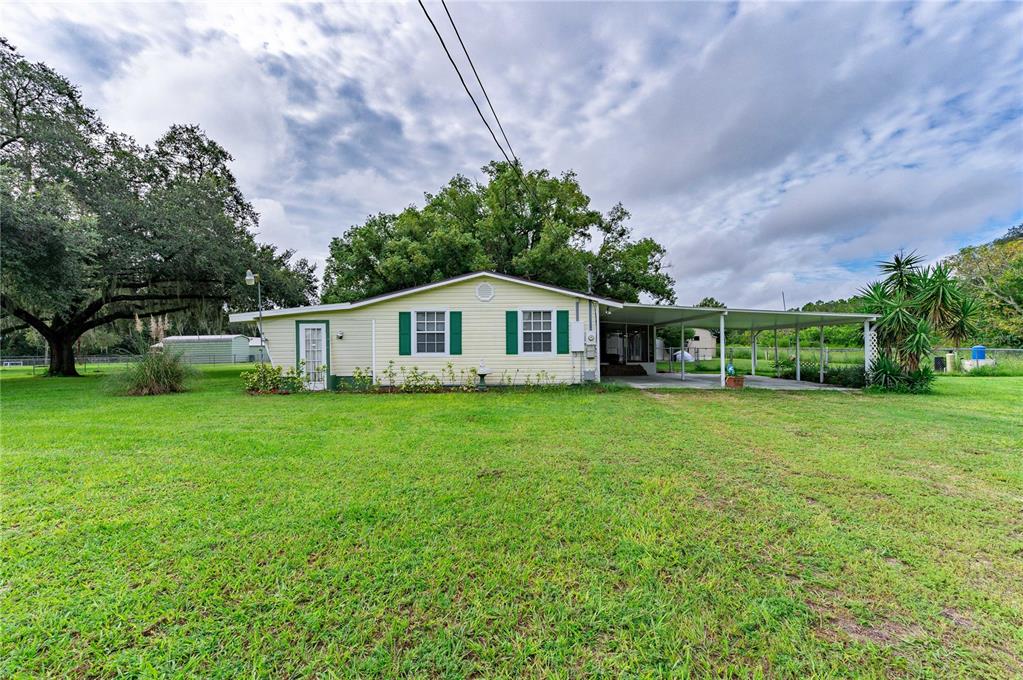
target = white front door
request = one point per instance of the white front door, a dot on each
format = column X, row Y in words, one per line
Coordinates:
column 312, row 350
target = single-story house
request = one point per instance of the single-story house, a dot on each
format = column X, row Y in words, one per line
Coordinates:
column 209, row 349
column 702, row 344
column 519, row 330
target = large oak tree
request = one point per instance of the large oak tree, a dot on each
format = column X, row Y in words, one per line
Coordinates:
column 95, row 228
column 532, row 225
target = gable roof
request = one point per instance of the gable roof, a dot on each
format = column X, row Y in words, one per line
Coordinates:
column 341, row 306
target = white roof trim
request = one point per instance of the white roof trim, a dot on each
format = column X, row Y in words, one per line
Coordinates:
column 310, row 309
column 725, row 310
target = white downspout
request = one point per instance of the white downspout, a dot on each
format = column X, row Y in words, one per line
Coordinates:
column 373, row 346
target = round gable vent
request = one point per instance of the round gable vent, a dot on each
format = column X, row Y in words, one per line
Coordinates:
column 485, row 292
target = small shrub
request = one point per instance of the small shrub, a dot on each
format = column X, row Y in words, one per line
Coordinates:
column 415, row 380
column 845, row 376
column 267, row 379
column 842, row 376
column 157, row 372
column 544, row 380
column 390, row 374
column 361, row 381
column 886, row 373
column 888, row 376
column 920, row 381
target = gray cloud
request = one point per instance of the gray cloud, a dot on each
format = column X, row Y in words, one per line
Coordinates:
column 771, row 146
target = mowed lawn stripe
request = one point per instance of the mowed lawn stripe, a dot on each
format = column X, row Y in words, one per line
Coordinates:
column 544, row 533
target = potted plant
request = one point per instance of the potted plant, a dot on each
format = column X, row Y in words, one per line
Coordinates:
column 732, row 379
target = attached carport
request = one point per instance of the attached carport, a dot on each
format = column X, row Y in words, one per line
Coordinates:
column 755, row 321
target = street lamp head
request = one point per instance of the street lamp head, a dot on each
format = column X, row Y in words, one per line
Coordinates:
column 250, row 278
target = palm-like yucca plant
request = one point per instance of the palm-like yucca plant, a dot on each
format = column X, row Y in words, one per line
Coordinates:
column 875, row 297
column 916, row 344
column 886, row 373
column 963, row 324
column 916, row 303
column 938, row 295
column 901, row 272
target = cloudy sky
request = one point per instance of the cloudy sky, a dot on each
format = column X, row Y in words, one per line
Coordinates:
column 769, row 147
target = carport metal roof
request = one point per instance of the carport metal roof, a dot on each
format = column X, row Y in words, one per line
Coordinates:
column 735, row 319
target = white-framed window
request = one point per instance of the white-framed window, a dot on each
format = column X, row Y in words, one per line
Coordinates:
column 430, row 335
column 537, row 331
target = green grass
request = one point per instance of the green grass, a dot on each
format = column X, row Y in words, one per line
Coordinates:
column 506, row 534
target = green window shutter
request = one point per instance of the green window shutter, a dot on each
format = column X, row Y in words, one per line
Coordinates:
column 511, row 332
column 404, row 333
column 562, row 331
column 455, row 323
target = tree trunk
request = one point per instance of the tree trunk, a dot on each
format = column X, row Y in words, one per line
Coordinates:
column 62, row 355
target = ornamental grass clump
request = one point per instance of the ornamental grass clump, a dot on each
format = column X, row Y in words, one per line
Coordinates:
column 158, row 371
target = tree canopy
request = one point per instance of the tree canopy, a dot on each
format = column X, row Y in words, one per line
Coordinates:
column 993, row 273
column 97, row 228
column 534, row 225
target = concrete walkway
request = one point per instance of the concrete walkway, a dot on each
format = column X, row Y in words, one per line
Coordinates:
column 709, row 381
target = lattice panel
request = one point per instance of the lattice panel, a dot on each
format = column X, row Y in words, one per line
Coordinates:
column 871, row 348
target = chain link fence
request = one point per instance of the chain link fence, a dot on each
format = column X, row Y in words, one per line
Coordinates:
column 83, row 362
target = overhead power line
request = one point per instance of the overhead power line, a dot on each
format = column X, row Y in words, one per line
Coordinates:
column 516, row 165
column 475, row 73
column 464, row 86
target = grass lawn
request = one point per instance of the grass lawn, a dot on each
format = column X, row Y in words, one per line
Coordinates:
column 507, row 534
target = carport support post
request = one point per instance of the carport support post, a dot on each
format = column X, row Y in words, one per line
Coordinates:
column 821, row 358
column 753, row 352
column 721, row 330
column 798, row 378
column 682, row 352
column 777, row 369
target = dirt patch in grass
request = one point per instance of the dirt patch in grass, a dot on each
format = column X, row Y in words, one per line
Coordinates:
column 958, row 617
column 838, row 623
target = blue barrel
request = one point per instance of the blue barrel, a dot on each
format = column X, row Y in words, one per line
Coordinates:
column 978, row 352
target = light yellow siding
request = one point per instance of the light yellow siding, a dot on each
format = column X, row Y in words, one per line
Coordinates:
column 483, row 333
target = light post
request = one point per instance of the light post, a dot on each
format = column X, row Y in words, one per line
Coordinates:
column 253, row 280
